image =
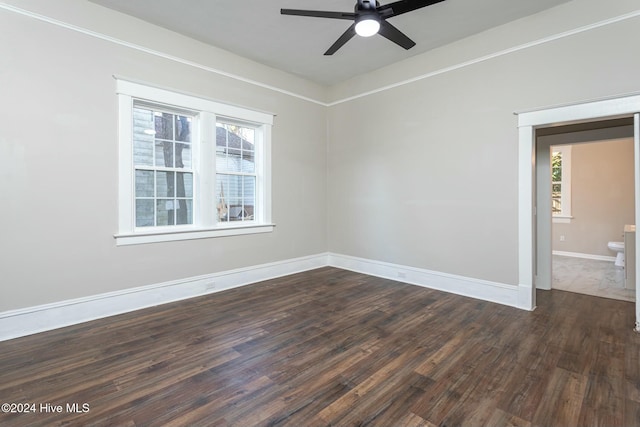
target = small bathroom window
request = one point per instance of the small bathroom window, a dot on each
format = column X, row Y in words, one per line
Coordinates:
column 561, row 181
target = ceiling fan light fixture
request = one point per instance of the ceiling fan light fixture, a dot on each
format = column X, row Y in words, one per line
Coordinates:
column 368, row 26
column 369, row 18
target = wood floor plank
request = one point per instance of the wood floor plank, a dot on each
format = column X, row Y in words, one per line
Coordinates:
column 561, row 402
column 412, row 420
column 334, row 347
column 379, row 381
column 603, row 402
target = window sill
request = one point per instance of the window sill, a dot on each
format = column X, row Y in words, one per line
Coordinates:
column 562, row 219
column 156, row 236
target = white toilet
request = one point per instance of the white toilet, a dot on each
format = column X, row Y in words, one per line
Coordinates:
column 619, row 248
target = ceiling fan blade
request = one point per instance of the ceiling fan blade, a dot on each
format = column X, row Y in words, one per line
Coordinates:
column 390, row 32
column 318, row 14
column 403, row 6
column 345, row 37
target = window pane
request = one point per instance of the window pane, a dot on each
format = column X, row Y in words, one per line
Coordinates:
column 221, row 135
column 164, row 125
column 142, row 153
column 248, row 162
column 184, row 185
column 556, row 166
column 234, row 162
column 235, row 210
column 221, row 159
column 183, row 156
column 183, row 128
column 184, row 212
column 222, row 187
column 144, row 213
column 235, row 187
column 249, row 196
column 164, row 154
column 165, row 184
column 144, row 184
column 165, row 212
column 143, row 136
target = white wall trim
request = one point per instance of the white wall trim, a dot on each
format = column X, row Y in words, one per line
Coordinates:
column 31, row 320
column 503, row 52
column 636, row 178
column 568, row 33
column 475, row 288
column 526, row 217
column 153, row 52
column 585, row 256
column 41, row 318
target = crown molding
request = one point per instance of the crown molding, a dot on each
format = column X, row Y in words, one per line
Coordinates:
column 548, row 39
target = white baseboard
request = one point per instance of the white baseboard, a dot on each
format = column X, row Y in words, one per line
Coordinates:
column 31, row 320
column 586, row 256
column 475, row 288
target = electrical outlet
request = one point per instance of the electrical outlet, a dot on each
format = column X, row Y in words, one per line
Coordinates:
column 562, row 238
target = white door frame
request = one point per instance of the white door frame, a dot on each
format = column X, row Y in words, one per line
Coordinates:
column 528, row 122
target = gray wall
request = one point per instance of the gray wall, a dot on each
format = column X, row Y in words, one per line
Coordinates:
column 425, row 173
column 59, row 157
column 422, row 174
column 602, row 193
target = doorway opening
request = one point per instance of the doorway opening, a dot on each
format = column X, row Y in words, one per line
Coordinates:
column 534, row 262
column 585, row 176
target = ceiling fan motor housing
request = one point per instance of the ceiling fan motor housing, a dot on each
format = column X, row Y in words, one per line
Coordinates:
column 364, row 5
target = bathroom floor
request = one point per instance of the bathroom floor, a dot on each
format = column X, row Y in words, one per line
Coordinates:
column 591, row 277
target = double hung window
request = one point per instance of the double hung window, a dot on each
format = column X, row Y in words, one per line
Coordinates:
column 190, row 167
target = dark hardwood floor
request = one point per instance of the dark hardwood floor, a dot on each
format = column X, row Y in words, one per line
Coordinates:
column 333, row 347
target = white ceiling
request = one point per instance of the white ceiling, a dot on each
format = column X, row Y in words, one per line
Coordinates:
column 256, row 30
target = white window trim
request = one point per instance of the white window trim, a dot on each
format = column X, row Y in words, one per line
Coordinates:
column 565, row 216
column 205, row 225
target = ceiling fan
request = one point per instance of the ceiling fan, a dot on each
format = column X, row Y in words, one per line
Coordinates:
column 369, row 18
